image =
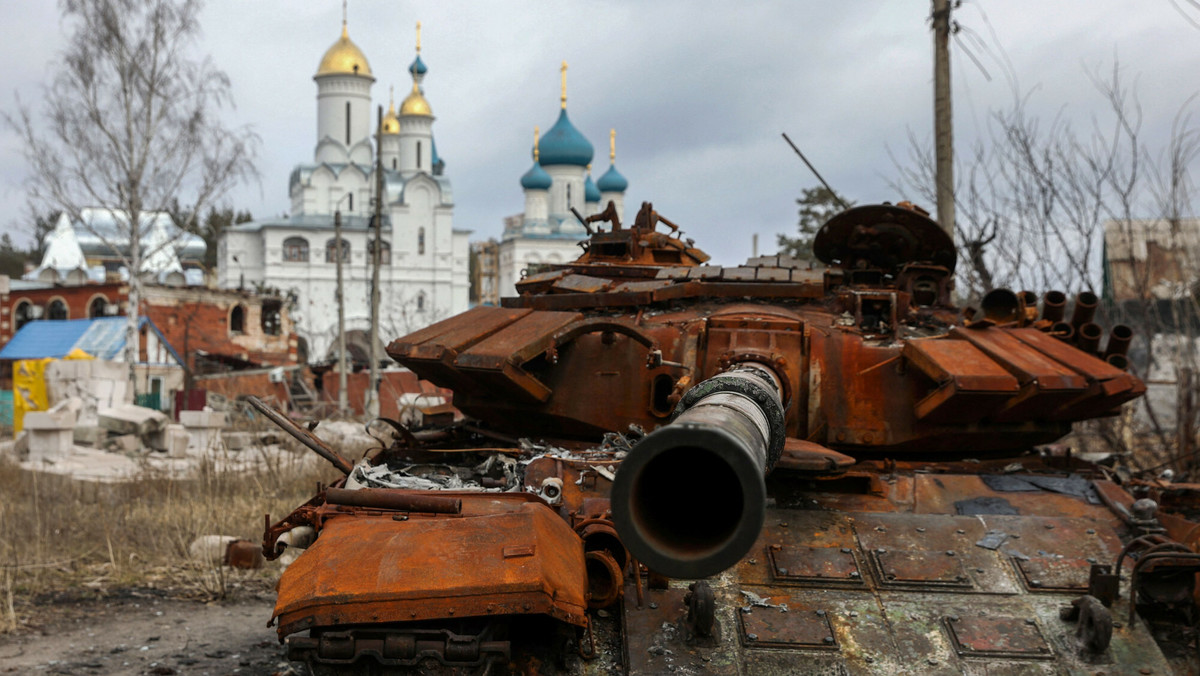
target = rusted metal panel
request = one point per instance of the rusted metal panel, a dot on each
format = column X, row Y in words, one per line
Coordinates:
column 378, row 568
column 581, row 284
column 517, row 342
column 786, row 627
column 986, row 636
column 452, row 335
column 971, row 385
column 1027, row 364
column 820, row 565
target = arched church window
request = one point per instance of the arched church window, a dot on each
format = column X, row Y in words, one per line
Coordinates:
column 295, row 250
column 418, row 155
column 347, row 123
column 237, row 319
column 22, row 314
column 421, row 302
column 393, row 163
column 350, row 202
column 568, row 197
column 385, row 252
column 57, row 310
column 421, row 241
column 96, row 307
column 331, row 251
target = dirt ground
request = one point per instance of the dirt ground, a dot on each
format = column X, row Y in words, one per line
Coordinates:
column 145, row 632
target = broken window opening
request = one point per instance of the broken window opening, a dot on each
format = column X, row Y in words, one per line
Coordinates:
column 272, row 317
column 237, row 319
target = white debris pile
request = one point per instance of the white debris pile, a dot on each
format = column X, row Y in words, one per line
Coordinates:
column 501, row 472
column 614, row 446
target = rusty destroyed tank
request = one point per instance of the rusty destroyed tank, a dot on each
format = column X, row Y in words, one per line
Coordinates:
column 663, row 466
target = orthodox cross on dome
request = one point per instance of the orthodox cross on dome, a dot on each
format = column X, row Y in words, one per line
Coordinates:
column 419, row 38
column 343, row 15
column 535, row 143
column 612, row 146
column 564, row 85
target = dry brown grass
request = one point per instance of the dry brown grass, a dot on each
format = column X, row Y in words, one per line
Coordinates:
column 58, row 534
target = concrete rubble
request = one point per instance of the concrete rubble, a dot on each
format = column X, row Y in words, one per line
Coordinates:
column 132, row 419
column 126, row 441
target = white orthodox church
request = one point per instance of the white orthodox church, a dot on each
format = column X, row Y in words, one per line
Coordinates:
column 559, row 180
column 424, row 270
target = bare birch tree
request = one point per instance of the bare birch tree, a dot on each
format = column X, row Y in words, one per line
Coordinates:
column 131, row 122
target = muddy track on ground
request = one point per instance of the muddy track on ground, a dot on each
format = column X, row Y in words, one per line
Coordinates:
column 144, row 632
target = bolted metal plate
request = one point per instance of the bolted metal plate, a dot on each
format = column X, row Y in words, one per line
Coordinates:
column 920, row 569
column 774, row 627
column 997, row 637
column 823, row 565
column 1052, row 573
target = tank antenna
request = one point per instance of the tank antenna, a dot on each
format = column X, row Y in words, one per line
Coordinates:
column 816, row 173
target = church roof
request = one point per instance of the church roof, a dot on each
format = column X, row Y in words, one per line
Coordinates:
column 536, row 178
column 563, row 144
column 415, row 103
column 590, row 192
column 344, row 58
column 612, row 181
column 350, row 223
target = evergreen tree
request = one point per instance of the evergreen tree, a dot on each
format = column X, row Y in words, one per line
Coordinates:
column 817, row 205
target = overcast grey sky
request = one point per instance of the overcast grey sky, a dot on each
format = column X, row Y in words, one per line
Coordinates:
column 698, row 91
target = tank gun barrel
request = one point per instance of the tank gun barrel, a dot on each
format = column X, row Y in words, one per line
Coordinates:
column 689, row 499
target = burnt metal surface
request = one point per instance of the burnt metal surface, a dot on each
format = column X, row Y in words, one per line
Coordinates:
column 876, row 498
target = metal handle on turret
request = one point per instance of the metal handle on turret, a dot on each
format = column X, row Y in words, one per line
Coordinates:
column 689, row 499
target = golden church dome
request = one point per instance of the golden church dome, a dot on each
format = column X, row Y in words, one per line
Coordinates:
column 391, row 124
column 344, row 58
column 416, row 104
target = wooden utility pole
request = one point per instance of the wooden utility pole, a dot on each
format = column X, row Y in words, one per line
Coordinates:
column 372, row 402
column 943, row 131
column 341, row 303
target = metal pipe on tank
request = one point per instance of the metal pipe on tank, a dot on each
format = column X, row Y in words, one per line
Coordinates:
column 1085, row 309
column 1118, row 360
column 1001, row 306
column 1118, row 340
column 1063, row 331
column 1088, row 337
column 1054, row 306
column 690, row 498
column 1029, row 301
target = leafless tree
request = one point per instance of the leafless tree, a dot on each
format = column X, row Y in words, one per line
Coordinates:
column 1037, row 196
column 131, row 122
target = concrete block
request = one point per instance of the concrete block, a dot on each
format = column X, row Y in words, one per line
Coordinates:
column 236, row 441
column 172, row 439
column 90, row 435
column 51, row 434
column 204, row 440
column 123, row 443
column 50, row 420
column 131, row 419
column 211, row 419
